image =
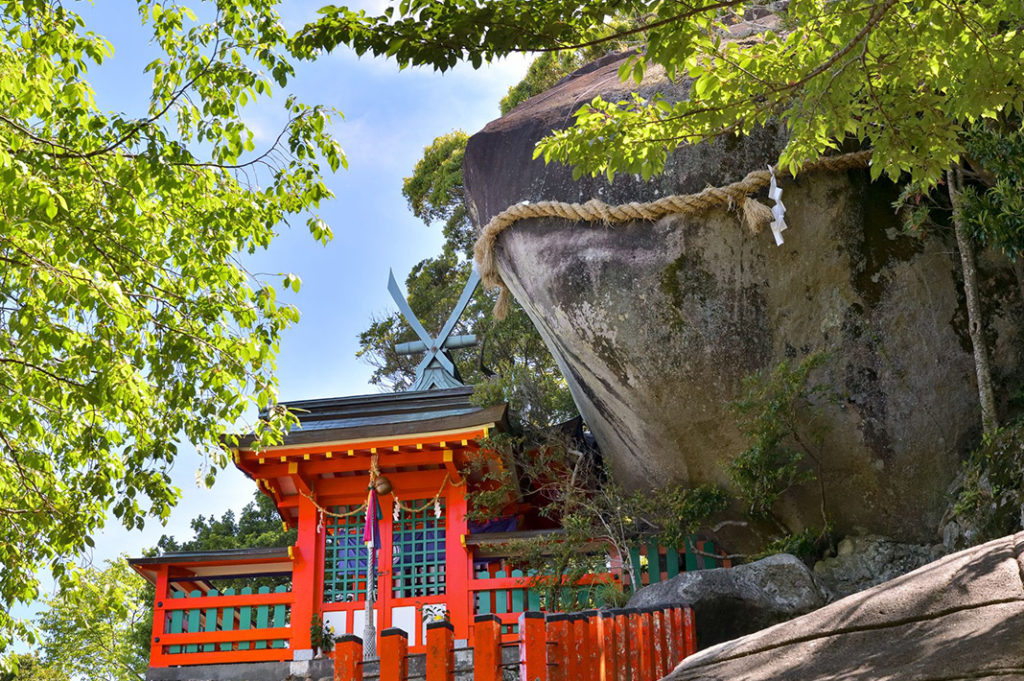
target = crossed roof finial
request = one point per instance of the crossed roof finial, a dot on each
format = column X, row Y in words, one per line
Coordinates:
column 436, row 370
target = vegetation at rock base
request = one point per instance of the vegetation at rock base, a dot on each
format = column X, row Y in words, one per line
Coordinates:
column 128, row 324
column 990, row 502
column 777, row 413
column 569, row 488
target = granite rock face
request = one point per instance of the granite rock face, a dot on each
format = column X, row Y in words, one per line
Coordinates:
column 960, row 617
column 730, row 602
column 655, row 325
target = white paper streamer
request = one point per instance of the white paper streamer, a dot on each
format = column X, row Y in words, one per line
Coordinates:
column 778, row 210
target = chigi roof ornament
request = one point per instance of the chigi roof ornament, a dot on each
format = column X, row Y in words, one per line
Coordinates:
column 436, row 370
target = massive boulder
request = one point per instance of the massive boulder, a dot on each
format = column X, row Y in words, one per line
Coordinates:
column 960, row 617
column 656, row 324
column 731, row 602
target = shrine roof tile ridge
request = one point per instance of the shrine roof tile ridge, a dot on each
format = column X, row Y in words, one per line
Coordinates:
column 387, row 414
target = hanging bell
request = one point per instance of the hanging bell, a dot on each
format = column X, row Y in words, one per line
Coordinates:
column 382, row 485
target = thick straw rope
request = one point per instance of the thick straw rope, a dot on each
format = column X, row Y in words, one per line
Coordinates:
column 756, row 214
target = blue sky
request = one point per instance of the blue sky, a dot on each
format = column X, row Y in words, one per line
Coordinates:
column 389, row 117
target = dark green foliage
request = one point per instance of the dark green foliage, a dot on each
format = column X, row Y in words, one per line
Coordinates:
column 991, row 500
column 435, row 192
column 777, row 414
column 994, row 207
column 258, row 525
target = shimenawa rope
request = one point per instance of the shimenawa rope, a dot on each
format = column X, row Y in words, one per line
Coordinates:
column 755, row 214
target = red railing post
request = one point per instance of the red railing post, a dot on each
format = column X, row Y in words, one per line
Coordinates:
column 690, row 629
column 558, row 646
column 622, row 645
column 591, row 654
column 533, row 659
column 394, row 655
column 440, row 651
column 348, row 655
column 673, row 640
column 606, row 646
column 678, row 634
column 487, row 648
column 578, row 647
column 658, row 647
column 644, row 641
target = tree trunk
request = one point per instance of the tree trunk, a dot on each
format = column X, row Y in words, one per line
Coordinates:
column 989, row 420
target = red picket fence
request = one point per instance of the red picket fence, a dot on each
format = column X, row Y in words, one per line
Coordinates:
column 609, row 645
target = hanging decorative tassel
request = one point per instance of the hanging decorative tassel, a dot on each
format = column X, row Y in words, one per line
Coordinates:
column 396, row 514
column 371, row 536
column 756, row 215
column 437, row 507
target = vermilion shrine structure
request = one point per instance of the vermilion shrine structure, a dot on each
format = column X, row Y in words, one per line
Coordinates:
column 246, row 606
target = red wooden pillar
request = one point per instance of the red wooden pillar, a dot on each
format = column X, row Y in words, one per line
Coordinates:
column 304, row 575
column 606, row 646
column 487, row 648
column 622, row 645
column 460, row 562
column 558, row 649
column 690, row 629
column 533, row 658
column 440, row 651
column 394, row 655
column 644, row 641
column 156, row 649
column 348, row 655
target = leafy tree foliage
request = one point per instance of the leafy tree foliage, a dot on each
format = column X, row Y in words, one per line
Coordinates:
column 908, row 77
column 127, row 322
column 28, row 667
column 990, row 501
column 88, row 630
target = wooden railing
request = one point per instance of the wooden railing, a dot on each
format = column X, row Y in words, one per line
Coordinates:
column 506, row 595
column 612, row 645
column 213, row 627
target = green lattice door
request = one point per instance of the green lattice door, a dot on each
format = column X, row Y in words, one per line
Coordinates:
column 418, row 551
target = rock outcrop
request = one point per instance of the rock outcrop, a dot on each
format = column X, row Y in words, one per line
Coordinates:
column 732, row 602
column 863, row 561
column 655, row 325
column 960, row 617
